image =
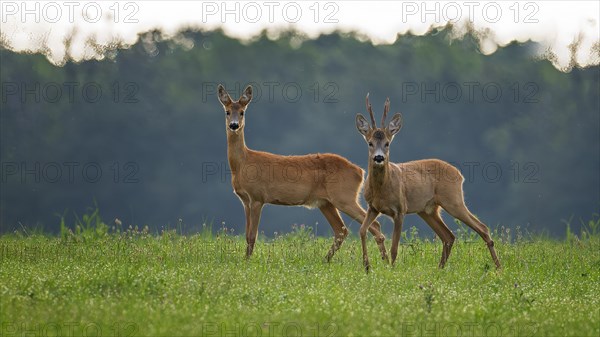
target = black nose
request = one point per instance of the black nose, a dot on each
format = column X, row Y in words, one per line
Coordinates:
column 379, row 158
column 234, row 126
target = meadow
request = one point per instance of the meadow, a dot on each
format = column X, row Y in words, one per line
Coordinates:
column 100, row 280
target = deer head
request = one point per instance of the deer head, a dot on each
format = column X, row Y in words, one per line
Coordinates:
column 379, row 139
column 234, row 110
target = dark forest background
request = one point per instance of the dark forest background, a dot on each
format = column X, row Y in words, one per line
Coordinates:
column 140, row 134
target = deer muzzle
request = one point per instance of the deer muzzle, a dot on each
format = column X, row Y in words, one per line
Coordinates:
column 234, row 126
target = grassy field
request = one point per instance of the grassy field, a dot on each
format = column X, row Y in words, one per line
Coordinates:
column 97, row 281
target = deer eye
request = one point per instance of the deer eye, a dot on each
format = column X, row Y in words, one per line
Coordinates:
column 228, row 113
column 370, row 144
column 241, row 113
column 387, row 144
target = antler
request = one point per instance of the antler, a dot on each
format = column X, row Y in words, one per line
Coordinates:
column 386, row 109
column 370, row 110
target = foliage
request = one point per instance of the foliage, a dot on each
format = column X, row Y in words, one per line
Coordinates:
column 129, row 282
column 157, row 131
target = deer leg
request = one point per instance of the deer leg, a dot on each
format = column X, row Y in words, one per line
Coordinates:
column 396, row 236
column 371, row 215
column 375, row 230
column 356, row 212
column 337, row 225
column 443, row 232
column 247, row 213
column 252, row 231
column 462, row 213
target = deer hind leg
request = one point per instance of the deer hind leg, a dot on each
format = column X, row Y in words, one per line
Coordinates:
column 353, row 210
column 337, row 225
column 462, row 213
column 255, row 209
column 434, row 220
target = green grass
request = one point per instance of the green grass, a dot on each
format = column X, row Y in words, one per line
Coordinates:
column 99, row 281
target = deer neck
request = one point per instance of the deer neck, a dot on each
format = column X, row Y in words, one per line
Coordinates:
column 236, row 149
column 379, row 174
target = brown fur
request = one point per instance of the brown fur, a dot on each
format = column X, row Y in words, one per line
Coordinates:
column 325, row 181
column 423, row 187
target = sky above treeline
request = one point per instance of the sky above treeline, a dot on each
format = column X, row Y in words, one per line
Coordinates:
column 567, row 32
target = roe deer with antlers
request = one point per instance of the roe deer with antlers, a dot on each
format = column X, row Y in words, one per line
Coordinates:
column 422, row 187
column 327, row 181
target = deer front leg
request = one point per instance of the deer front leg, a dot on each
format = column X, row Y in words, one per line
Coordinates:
column 371, row 215
column 353, row 209
column 396, row 236
column 255, row 209
column 375, row 229
column 247, row 214
column 248, row 222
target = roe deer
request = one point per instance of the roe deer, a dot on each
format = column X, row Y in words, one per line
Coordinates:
column 326, row 181
column 422, row 187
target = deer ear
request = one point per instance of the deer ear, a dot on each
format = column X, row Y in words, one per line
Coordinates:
column 395, row 124
column 224, row 97
column 362, row 125
column 246, row 96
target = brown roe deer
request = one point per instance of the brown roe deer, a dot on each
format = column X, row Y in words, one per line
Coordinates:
column 325, row 181
column 423, row 187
